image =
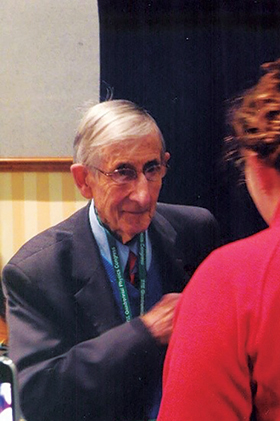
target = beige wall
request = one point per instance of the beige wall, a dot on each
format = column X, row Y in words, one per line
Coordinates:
column 49, row 53
column 31, row 202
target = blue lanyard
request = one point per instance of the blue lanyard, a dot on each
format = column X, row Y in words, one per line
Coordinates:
column 120, row 277
column 119, row 273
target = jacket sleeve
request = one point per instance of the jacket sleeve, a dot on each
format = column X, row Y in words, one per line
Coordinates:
column 63, row 378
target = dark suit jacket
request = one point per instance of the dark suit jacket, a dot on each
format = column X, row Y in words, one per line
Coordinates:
column 76, row 359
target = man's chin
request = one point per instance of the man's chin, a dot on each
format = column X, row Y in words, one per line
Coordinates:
column 129, row 233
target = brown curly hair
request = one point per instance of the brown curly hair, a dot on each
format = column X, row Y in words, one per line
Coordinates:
column 255, row 119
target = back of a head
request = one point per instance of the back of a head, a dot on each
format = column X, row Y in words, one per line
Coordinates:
column 108, row 123
column 255, row 118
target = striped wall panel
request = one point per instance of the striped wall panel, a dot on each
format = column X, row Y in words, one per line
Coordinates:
column 31, row 202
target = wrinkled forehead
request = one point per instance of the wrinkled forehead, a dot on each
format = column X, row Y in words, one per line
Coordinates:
column 133, row 150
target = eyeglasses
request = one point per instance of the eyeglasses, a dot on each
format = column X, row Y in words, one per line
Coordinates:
column 124, row 175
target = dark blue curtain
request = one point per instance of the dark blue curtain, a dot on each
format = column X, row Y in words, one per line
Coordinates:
column 183, row 61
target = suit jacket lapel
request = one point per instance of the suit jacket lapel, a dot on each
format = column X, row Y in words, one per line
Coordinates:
column 93, row 292
column 170, row 257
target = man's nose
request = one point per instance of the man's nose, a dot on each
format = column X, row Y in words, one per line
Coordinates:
column 141, row 190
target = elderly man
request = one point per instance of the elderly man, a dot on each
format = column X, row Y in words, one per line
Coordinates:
column 88, row 325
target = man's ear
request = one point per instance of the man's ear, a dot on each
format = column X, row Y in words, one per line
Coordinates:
column 80, row 174
column 166, row 157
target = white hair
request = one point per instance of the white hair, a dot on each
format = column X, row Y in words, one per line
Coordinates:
column 111, row 122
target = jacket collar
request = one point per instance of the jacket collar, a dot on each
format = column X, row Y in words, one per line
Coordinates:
column 169, row 254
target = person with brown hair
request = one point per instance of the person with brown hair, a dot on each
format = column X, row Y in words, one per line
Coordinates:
column 223, row 359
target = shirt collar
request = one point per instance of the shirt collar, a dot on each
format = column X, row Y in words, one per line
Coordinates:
column 123, row 249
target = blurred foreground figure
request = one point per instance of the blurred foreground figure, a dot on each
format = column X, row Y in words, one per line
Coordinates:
column 223, row 360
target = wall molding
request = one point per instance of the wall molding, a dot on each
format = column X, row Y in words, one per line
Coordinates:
column 35, row 164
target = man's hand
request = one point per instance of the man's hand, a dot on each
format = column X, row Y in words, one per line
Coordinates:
column 159, row 320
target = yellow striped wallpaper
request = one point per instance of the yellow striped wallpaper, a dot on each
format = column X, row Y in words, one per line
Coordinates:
column 31, row 202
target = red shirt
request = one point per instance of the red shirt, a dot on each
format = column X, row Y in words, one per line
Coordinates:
column 226, row 342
